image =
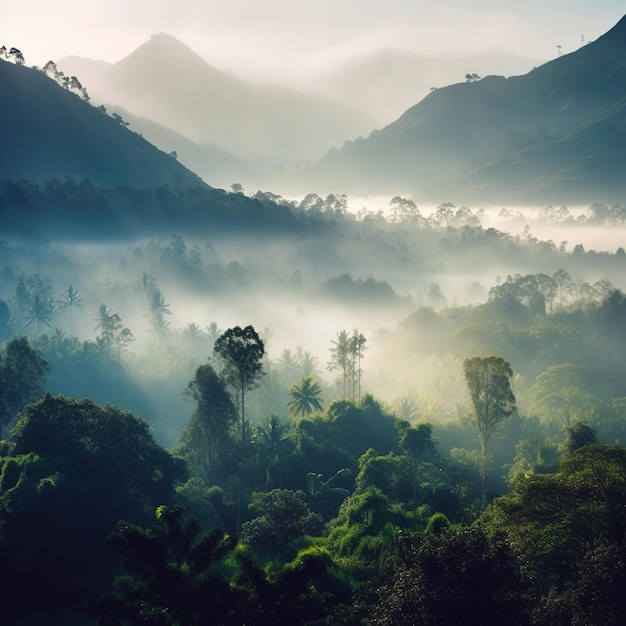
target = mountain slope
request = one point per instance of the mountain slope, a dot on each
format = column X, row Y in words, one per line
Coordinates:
column 48, row 132
column 214, row 165
column 167, row 82
column 432, row 148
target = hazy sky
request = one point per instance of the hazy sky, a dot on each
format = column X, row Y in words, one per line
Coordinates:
column 274, row 37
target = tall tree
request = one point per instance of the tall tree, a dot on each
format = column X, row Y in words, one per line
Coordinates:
column 240, row 352
column 157, row 309
column 206, row 439
column 34, row 300
column 357, row 348
column 340, row 358
column 345, row 357
column 71, row 299
column 488, row 382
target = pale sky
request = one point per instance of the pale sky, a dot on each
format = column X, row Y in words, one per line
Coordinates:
column 270, row 38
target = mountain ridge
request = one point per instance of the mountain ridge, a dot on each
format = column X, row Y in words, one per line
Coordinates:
column 438, row 146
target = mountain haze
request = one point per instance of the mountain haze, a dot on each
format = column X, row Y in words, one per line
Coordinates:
column 549, row 133
column 387, row 82
column 165, row 81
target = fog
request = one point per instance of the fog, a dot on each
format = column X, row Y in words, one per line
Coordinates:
column 389, row 276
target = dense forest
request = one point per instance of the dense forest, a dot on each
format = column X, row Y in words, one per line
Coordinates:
column 385, row 417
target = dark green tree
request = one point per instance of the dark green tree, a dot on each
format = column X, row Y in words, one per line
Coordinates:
column 453, row 576
column 282, row 516
column 206, row 440
column 569, row 529
column 416, row 442
column 74, row 470
column 169, row 575
column 22, row 375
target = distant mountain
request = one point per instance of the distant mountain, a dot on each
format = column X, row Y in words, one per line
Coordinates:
column 554, row 134
column 48, row 132
column 165, row 81
column 386, row 82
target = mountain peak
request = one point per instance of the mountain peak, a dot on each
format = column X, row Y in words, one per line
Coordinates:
column 164, row 51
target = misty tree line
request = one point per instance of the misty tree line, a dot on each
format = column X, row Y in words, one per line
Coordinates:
column 333, row 507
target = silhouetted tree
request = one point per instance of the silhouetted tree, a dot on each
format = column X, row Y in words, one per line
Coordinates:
column 282, row 516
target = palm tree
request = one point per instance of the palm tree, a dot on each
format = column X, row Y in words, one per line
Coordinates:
column 71, row 298
column 145, row 283
column 41, row 310
column 340, row 358
column 305, row 398
column 157, row 310
column 34, row 301
column 270, row 434
column 213, row 332
column 308, row 363
column 113, row 336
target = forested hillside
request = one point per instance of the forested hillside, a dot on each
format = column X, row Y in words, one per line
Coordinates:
column 238, row 408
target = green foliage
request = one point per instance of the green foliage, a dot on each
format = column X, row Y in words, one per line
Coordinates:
column 453, row 575
column 75, row 469
column 579, row 435
column 103, row 441
column 169, row 576
column 564, row 525
column 533, row 455
column 211, row 506
column 365, row 531
column 563, row 393
column 282, row 517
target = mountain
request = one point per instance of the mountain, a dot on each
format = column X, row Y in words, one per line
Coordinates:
column 553, row 134
column 386, row 82
column 165, row 81
column 68, row 169
column 48, row 132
